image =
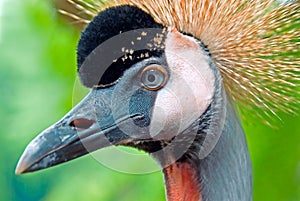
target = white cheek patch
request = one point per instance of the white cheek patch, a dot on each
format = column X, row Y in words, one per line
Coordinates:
column 189, row 90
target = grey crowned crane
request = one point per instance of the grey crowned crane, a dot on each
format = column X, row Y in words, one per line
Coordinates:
column 167, row 77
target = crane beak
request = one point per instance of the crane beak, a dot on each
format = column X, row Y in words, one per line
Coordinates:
column 86, row 128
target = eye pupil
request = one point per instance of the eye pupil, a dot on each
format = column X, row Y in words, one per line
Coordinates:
column 154, row 77
column 151, row 78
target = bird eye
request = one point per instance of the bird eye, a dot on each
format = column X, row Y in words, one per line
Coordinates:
column 154, row 77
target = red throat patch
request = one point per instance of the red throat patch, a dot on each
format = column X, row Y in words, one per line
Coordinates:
column 181, row 183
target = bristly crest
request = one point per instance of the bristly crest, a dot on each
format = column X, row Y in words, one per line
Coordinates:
column 255, row 43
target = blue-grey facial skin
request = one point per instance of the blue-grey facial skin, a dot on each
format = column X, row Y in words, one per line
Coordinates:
column 118, row 107
column 117, row 114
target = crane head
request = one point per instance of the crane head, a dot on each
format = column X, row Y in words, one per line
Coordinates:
column 150, row 86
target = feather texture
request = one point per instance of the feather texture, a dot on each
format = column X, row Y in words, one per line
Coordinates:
column 254, row 43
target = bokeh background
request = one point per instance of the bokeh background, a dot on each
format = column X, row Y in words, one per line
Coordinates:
column 37, row 76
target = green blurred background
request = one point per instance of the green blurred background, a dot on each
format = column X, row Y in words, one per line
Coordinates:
column 37, row 76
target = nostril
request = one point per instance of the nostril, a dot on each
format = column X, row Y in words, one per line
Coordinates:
column 82, row 123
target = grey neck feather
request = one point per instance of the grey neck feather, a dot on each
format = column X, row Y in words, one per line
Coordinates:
column 225, row 171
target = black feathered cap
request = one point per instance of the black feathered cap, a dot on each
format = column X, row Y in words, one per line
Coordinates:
column 119, row 53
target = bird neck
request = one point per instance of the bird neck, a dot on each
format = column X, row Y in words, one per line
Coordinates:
column 224, row 174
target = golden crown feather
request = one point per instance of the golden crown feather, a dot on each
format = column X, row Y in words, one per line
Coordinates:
column 255, row 43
